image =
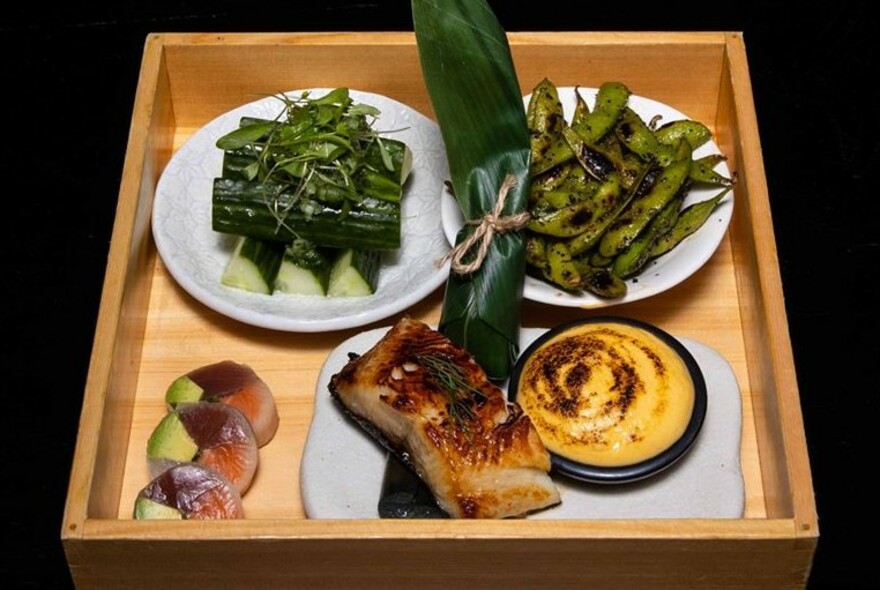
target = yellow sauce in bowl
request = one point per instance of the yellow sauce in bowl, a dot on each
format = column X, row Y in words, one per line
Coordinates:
column 608, row 394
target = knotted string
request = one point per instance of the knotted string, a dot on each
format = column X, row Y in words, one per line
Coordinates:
column 490, row 224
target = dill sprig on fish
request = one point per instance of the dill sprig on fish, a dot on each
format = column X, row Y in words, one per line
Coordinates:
column 453, row 380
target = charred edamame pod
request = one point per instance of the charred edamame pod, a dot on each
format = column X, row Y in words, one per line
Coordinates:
column 536, row 251
column 621, row 200
column 615, row 199
column 545, row 122
column 703, row 170
column 611, row 99
column 560, row 199
column 576, row 188
column 689, row 221
column 594, row 161
column 561, row 269
column 638, row 138
column 576, row 179
column 633, row 259
column 628, row 165
column 600, row 261
column 629, row 224
column 601, row 282
column 694, row 132
column 581, row 110
column 565, row 222
column 550, row 179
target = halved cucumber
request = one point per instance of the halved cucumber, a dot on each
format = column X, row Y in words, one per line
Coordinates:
column 355, row 273
column 305, row 269
column 253, row 265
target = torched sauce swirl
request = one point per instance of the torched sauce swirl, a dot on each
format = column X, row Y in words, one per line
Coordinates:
column 607, row 394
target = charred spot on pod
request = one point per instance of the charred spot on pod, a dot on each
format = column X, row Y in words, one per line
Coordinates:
column 601, row 280
column 582, row 216
column 570, row 278
column 543, row 149
column 604, row 283
column 595, row 162
column 554, row 120
column 554, row 174
column 649, row 181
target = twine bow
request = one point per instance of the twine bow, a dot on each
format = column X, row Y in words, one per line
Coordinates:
column 490, row 224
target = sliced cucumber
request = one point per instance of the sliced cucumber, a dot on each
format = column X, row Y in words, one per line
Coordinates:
column 296, row 280
column 305, row 269
column 253, row 265
column 355, row 273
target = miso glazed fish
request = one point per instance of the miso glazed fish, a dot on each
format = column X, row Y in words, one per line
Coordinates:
column 428, row 401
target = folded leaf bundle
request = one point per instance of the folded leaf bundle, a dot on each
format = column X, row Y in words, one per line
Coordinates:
column 473, row 87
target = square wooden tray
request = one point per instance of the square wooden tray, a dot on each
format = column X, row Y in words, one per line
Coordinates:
column 149, row 331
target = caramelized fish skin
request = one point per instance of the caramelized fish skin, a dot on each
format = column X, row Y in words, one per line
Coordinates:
column 488, row 462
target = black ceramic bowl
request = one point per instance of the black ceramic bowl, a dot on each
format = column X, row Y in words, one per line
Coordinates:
column 643, row 468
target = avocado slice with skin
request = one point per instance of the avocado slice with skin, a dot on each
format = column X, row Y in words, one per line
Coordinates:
column 183, row 390
column 146, row 509
column 170, row 440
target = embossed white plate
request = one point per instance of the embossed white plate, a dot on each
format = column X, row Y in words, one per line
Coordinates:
column 659, row 275
column 195, row 255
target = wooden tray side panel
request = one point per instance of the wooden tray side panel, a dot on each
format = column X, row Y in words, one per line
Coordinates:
column 476, row 563
column 779, row 424
column 644, row 67
column 212, row 74
column 96, row 475
column 210, row 80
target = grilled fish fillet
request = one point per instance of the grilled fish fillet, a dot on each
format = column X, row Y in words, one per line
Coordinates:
column 478, row 453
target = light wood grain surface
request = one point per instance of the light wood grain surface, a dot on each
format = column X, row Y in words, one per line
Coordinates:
column 150, row 331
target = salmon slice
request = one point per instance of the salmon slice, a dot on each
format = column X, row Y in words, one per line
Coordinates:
column 234, row 384
column 428, row 401
column 189, row 491
column 214, row 435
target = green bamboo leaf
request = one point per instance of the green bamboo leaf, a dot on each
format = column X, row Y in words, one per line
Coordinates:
column 472, row 83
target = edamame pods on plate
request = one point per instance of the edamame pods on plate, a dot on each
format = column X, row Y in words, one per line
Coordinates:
column 608, row 189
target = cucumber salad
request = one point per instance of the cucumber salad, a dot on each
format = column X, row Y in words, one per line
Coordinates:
column 313, row 196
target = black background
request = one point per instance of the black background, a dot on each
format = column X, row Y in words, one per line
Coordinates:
column 69, row 76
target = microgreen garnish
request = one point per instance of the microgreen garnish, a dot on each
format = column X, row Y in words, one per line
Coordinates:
column 453, row 380
column 315, row 150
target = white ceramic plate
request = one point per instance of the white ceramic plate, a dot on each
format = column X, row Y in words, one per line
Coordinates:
column 195, row 255
column 342, row 466
column 663, row 273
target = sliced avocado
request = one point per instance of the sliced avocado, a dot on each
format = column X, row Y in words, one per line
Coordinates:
column 170, row 440
column 144, row 509
column 183, row 389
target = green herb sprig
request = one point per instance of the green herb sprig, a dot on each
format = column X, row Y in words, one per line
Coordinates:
column 453, row 380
